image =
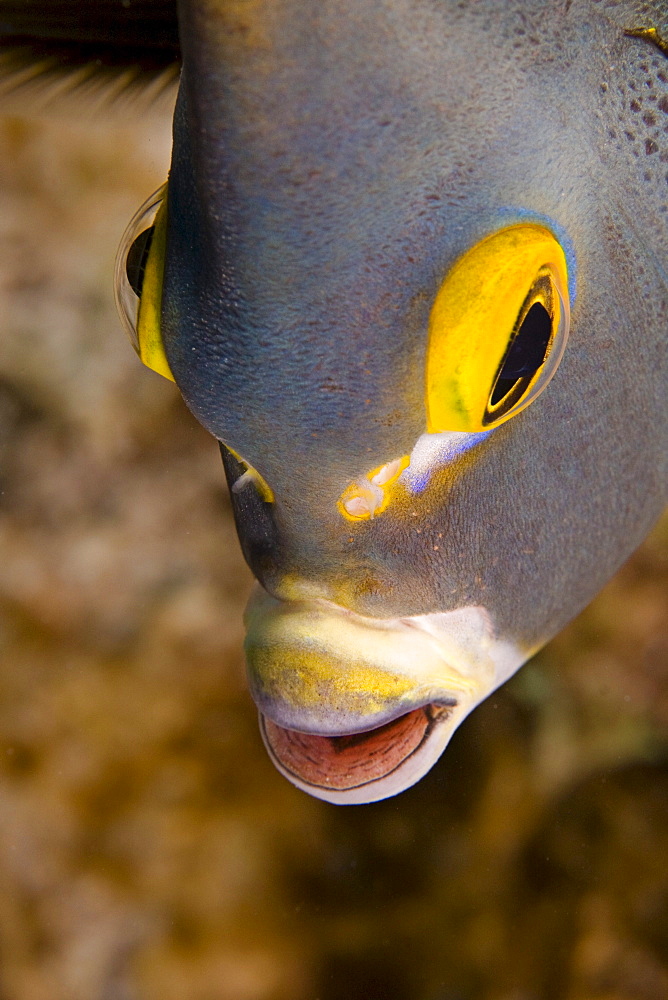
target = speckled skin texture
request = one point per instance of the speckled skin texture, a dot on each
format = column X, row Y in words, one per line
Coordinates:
column 331, row 162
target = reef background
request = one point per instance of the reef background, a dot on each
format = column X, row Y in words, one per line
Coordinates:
column 148, row 849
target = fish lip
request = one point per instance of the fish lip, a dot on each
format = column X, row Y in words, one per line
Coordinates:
column 316, row 667
column 325, row 767
column 333, row 728
column 401, row 669
column 421, row 700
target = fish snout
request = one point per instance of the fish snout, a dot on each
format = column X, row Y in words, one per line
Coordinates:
column 353, row 708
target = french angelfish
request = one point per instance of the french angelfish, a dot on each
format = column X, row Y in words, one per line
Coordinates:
column 388, row 227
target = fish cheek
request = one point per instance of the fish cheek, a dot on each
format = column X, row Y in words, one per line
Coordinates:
column 411, row 559
column 473, row 535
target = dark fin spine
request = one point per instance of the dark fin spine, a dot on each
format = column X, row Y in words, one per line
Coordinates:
column 105, row 49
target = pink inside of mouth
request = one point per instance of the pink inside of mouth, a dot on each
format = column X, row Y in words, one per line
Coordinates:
column 345, row 762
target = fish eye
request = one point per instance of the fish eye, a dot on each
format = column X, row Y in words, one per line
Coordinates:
column 135, row 261
column 497, row 331
column 138, row 280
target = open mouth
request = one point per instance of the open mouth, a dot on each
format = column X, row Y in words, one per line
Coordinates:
column 355, row 709
column 343, row 763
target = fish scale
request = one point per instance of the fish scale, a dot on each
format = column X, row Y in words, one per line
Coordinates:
column 634, row 138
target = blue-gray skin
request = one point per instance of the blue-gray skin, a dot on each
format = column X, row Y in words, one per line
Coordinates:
column 331, row 162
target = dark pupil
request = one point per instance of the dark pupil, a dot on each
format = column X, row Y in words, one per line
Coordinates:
column 527, row 351
column 135, row 262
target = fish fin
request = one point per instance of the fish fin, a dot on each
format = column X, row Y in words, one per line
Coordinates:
column 93, row 55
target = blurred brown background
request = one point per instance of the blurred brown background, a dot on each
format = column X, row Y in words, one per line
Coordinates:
column 148, row 849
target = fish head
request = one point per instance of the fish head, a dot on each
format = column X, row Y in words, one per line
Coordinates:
column 366, row 203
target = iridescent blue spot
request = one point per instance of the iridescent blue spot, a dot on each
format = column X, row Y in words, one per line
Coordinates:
column 435, row 451
column 420, row 482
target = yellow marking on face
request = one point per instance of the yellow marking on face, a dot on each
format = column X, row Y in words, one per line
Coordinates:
column 476, row 314
column 651, row 35
column 251, row 475
column 370, row 495
column 151, row 348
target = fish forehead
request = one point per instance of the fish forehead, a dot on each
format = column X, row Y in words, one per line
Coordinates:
column 347, row 158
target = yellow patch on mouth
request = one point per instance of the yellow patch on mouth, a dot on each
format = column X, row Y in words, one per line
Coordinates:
column 304, row 678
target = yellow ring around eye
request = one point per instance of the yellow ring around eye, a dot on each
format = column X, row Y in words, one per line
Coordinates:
column 474, row 318
column 151, row 348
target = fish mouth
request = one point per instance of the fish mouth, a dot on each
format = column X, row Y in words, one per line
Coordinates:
column 341, row 768
column 354, row 709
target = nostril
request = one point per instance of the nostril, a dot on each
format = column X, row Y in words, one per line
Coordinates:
column 370, row 494
column 363, row 499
